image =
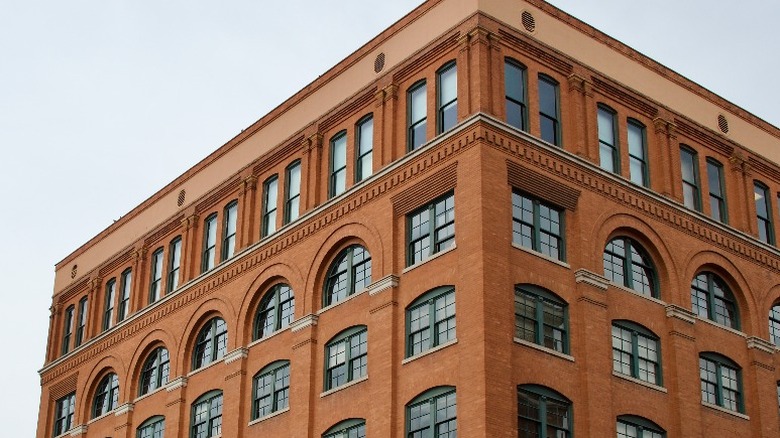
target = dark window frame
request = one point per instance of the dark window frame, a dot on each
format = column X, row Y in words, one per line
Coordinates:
column 213, row 400
column 82, row 322
column 331, row 281
column 351, row 360
column 431, row 398
column 712, row 300
column 274, row 294
column 155, row 371
column 764, row 222
column 774, row 324
column 108, row 304
column 555, row 119
column 412, row 142
column 643, row 161
column 540, row 297
column 630, row 265
column 720, row 362
column 336, row 175
column 67, row 328
column 719, row 199
column 156, row 275
column 642, row 425
column 693, row 184
column 208, row 342
column 106, row 397
column 125, row 288
column 546, row 398
column 520, row 101
column 343, row 429
column 174, row 264
column 291, row 198
column 436, row 244
column 536, row 225
column 636, row 331
column 276, row 404
column 429, row 301
column 614, row 147
column 209, row 248
column 229, row 237
column 64, row 411
column 360, row 155
column 268, row 225
column 441, row 106
column 155, row 423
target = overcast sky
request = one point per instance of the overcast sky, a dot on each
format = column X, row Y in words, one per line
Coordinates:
column 103, row 102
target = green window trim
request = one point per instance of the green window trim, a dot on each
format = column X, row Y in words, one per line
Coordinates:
column 153, row 427
column 638, row 160
column 446, row 98
column 538, row 226
column 711, row 298
column 364, row 147
column 229, row 229
column 174, row 264
column 337, row 182
column 627, row 263
column 155, row 372
column 106, row 395
column 430, row 320
column 763, row 204
column 350, row 428
column 275, row 312
column 346, row 355
column 609, row 149
column 689, row 169
column 633, row 426
column 211, row 343
column 774, row 324
column 209, row 253
column 439, row 405
column 206, row 416
column 156, row 275
column 539, row 313
column 550, row 405
column 125, row 287
column 717, row 191
column 275, row 379
column 644, row 344
column 416, row 115
column 270, row 193
column 108, row 304
column 549, row 110
column 433, row 225
column 81, row 325
column 67, row 328
column 64, row 410
column 516, row 94
column 349, row 273
column 721, row 382
column 292, row 192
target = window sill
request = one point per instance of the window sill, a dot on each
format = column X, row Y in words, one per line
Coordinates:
column 257, row 341
column 544, row 349
column 721, row 326
column 430, row 351
column 541, row 256
column 640, row 295
column 640, row 382
column 433, row 257
column 344, row 386
column 356, row 294
column 724, row 410
column 269, row 416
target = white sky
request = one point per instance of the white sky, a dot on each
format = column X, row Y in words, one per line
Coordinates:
column 102, row 103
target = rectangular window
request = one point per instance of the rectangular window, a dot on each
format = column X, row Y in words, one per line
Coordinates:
column 766, row 231
column 347, row 358
column 690, row 178
column 229, row 230
column 155, row 285
column 635, row 354
column 270, row 188
column 548, row 110
column 63, row 414
column 209, row 243
column 541, row 318
column 82, row 324
column 417, row 110
column 174, row 264
column 717, row 191
column 338, row 164
column 108, row 312
column 637, row 154
column 364, row 166
column 67, row 331
column 538, row 226
column 515, row 85
column 124, row 300
column 609, row 158
column 446, row 98
column 431, row 229
column 292, row 195
column 430, row 321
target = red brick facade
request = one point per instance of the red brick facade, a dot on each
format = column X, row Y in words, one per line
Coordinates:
column 482, row 161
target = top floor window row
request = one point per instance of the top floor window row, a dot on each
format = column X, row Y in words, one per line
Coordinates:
column 446, row 106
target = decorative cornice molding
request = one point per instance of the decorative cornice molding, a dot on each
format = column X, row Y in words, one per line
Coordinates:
column 578, row 83
column 190, row 221
column 299, row 324
column 754, row 342
column 586, row 277
column 237, row 354
column 123, row 409
column 765, row 366
column 739, row 163
column 383, row 284
column 682, row 335
column 177, row 383
column 79, row 430
column 675, row 311
column 665, row 127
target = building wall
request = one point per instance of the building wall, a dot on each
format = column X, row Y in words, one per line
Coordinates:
column 481, row 161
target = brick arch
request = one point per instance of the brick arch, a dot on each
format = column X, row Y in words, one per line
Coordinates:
column 107, row 364
column 348, row 234
column 268, row 277
column 612, row 225
column 156, row 338
column 772, row 298
column 716, row 263
column 213, row 307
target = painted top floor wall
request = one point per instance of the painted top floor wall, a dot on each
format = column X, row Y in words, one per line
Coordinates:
column 402, row 40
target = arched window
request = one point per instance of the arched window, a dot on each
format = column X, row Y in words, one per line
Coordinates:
column 721, row 381
column 211, row 344
column 349, row 273
column 609, row 152
column 154, row 427
column 636, row 352
column 541, row 317
column 417, row 115
column 155, row 371
column 542, row 412
column 106, row 395
column 627, row 263
column 430, row 320
column 275, row 312
column 637, row 153
column 446, row 97
column 632, row 426
column 432, row 414
column 712, row 299
column 549, row 111
column 352, row 428
column 206, row 417
column 774, row 324
column 346, row 357
column 271, row 389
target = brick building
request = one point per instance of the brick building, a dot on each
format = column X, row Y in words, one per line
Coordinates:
column 490, row 218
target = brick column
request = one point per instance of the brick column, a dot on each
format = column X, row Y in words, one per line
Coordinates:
column 94, row 311
column 386, row 102
column 591, row 321
column 382, row 351
column 190, row 256
column 124, row 421
column 681, row 372
column 745, row 218
column 670, row 180
column 235, row 392
column 302, row 363
column 582, row 139
column 138, row 291
column 177, row 411
column 758, row 381
column 311, row 193
column 248, row 213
